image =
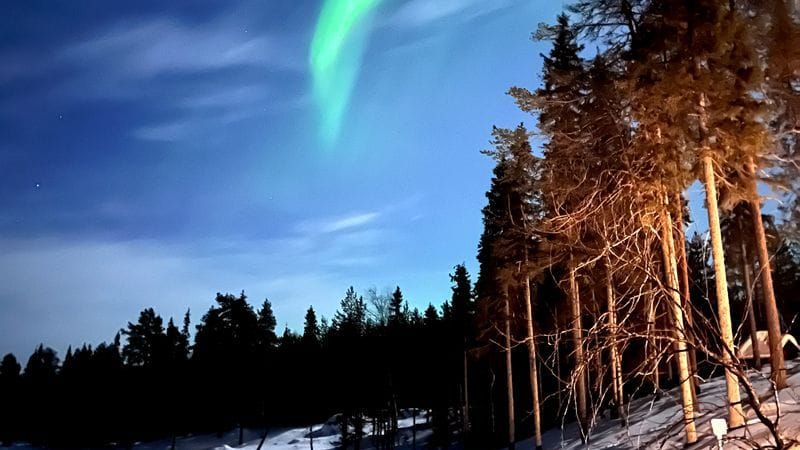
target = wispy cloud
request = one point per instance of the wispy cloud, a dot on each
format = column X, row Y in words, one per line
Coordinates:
column 310, row 263
column 336, row 224
column 349, row 222
column 200, row 75
column 161, row 46
column 418, row 13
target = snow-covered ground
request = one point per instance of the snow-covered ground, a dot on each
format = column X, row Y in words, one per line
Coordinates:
column 325, row 436
column 653, row 423
column 658, row 423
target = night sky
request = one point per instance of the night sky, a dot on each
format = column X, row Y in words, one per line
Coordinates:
column 154, row 153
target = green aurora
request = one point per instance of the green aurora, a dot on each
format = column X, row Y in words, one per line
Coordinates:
column 335, row 57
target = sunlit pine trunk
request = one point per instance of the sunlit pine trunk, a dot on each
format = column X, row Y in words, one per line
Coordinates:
column 534, row 373
column 557, row 351
column 651, row 348
column 580, row 360
column 770, row 305
column 671, row 270
column 735, row 414
column 616, row 363
column 509, row 372
column 751, row 316
column 683, row 279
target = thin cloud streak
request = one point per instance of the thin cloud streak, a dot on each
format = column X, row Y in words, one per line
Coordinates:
column 350, row 222
column 420, row 13
column 163, row 46
column 336, row 224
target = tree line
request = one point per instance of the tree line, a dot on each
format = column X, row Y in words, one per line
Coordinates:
column 375, row 357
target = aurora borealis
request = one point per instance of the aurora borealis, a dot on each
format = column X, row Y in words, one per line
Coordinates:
column 156, row 152
column 335, row 59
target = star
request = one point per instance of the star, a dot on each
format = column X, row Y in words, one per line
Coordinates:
column 60, row 116
column 37, row 185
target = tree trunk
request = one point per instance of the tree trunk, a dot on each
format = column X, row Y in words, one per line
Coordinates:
column 616, row 361
column 735, row 414
column 311, row 436
column 671, row 271
column 577, row 338
column 509, row 373
column 465, row 412
column 751, row 316
column 770, row 305
column 534, row 374
column 651, row 344
column 414, row 428
column 683, row 273
column 492, row 418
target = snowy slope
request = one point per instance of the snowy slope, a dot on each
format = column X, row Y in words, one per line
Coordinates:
column 657, row 423
column 652, row 424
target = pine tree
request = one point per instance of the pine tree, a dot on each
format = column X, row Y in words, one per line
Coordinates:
column 431, row 315
column 311, row 331
column 396, row 315
column 9, row 369
column 266, row 326
column 177, row 344
column 351, row 317
column 42, row 366
column 558, row 104
column 187, row 320
column 146, row 340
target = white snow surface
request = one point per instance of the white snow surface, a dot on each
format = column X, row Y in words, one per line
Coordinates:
column 653, row 423
column 658, row 423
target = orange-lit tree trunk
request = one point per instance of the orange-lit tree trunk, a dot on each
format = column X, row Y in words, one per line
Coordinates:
column 735, row 414
column 534, row 372
column 770, row 306
column 684, row 375
column 616, row 364
column 650, row 345
column 751, row 316
column 580, row 360
column 683, row 279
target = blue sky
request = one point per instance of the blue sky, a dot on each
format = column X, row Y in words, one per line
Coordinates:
column 154, row 153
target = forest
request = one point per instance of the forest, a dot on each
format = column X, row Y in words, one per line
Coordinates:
column 590, row 293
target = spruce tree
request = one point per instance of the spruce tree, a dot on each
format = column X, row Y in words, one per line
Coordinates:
column 311, row 331
column 266, row 326
column 146, row 340
column 9, row 368
column 396, row 314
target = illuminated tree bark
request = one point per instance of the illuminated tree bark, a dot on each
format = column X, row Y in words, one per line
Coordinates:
column 770, row 306
column 685, row 378
column 651, row 347
column 683, row 279
column 735, row 414
column 616, row 364
column 751, row 316
column 577, row 338
column 534, row 372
